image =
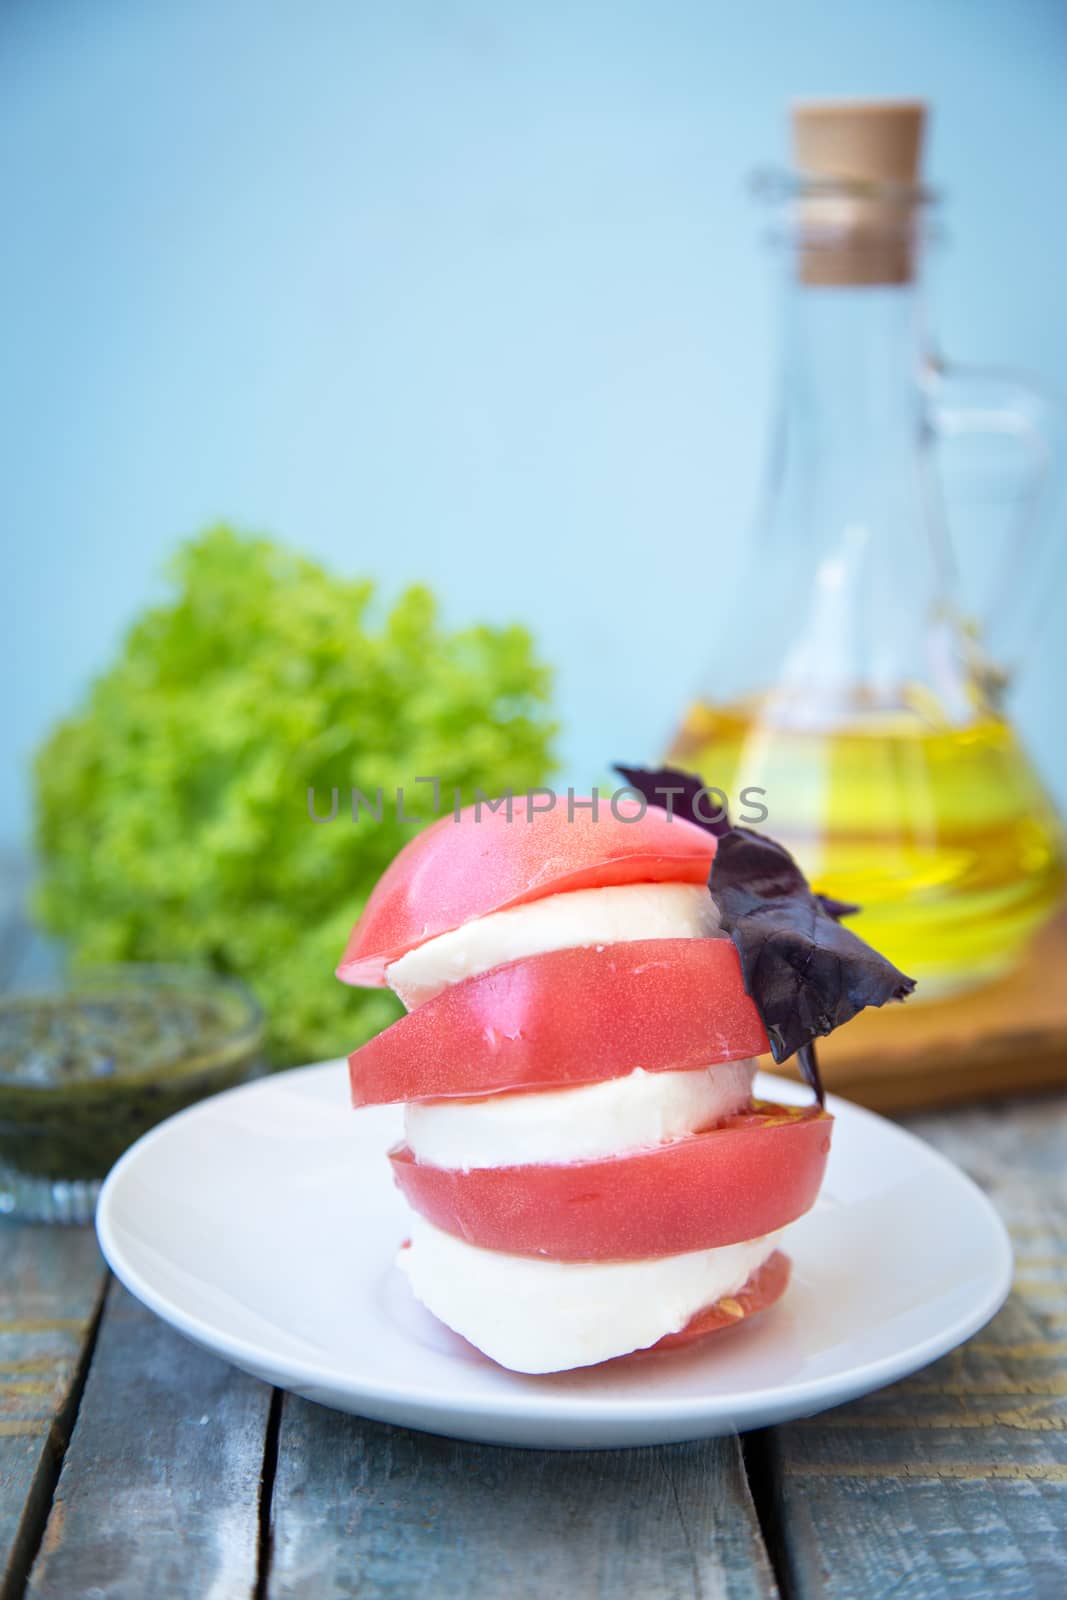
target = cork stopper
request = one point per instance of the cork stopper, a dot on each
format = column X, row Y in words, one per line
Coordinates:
column 860, row 161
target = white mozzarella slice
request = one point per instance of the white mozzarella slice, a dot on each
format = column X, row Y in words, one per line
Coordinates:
column 532, row 1315
column 580, row 1124
column 581, row 917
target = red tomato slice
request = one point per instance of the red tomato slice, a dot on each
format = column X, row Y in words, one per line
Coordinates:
column 766, row 1285
column 753, row 1173
column 455, row 871
column 567, row 1017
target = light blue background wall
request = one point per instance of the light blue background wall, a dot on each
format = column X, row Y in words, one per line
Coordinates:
column 465, row 291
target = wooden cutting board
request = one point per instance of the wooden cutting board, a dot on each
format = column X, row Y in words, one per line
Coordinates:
column 1008, row 1038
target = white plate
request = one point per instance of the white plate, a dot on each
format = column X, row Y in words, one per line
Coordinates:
column 264, row 1224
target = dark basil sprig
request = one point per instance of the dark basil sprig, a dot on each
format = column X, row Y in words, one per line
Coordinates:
column 679, row 794
column 806, row 973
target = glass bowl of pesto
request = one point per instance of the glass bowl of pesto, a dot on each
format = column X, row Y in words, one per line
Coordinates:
column 90, row 1061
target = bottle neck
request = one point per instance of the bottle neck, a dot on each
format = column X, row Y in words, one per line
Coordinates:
column 851, row 525
column 852, row 368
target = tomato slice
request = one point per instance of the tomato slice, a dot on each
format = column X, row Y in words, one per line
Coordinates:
column 567, row 1017
column 753, row 1173
column 455, row 871
column 766, row 1285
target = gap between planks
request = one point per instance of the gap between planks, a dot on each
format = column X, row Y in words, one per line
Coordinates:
column 765, row 1487
column 265, row 1548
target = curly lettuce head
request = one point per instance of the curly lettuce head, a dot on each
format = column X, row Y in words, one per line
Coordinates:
column 172, row 810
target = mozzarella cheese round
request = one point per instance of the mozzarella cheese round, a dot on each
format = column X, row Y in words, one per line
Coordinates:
column 578, row 918
column 533, row 1315
column 577, row 1124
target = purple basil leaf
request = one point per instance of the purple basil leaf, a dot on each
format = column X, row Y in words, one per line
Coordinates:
column 837, row 908
column 806, row 973
column 681, row 794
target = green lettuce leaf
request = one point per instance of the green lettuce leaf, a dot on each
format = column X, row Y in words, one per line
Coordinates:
column 172, row 809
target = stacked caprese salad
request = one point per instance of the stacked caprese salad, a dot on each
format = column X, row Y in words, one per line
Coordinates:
column 589, row 1172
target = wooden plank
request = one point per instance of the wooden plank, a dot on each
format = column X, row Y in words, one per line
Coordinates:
column 51, row 1282
column 51, row 1285
column 159, row 1493
column 363, row 1509
column 1003, row 1039
column 954, row 1482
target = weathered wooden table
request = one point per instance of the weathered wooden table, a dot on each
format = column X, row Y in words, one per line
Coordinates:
column 135, row 1467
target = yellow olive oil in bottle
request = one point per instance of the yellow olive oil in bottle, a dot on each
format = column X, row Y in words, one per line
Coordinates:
column 945, row 837
column 845, row 684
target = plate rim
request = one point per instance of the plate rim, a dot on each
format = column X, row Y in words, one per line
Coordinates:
column 523, row 1405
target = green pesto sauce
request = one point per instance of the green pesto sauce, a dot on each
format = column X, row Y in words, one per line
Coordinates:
column 85, row 1073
